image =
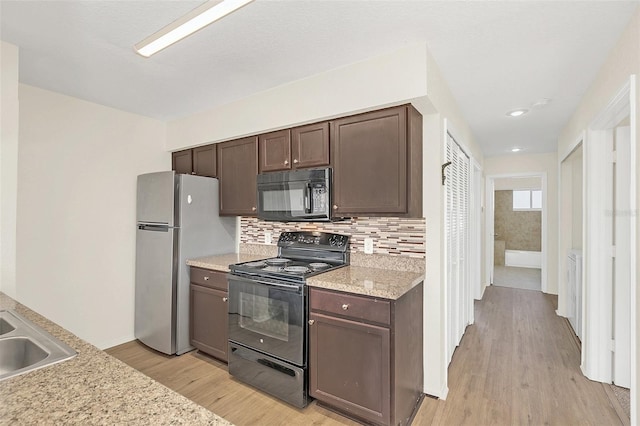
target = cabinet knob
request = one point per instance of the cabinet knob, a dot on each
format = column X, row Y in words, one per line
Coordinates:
column 311, row 322
column 253, row 209
column 345, row 306
column 206, row 278
column 335, row 207
column 224, row 299
column 193, row 173
column 295, row 161
column 286, row 162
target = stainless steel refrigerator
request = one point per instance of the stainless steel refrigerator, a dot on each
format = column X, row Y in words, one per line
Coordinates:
column 177, row 219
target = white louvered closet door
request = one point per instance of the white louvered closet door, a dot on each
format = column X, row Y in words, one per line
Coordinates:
column 457, row 244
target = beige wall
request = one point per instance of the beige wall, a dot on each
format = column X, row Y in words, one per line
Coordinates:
column 8, row 165
column 520, row 230
column 517, row 183
column 381, row 81
column 77, row 169
column 536, row 164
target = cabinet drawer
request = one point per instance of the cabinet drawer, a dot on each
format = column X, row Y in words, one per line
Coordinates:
column 208, row 278
column 351, row 306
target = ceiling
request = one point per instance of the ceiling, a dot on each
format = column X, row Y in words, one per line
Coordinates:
column 496, row 56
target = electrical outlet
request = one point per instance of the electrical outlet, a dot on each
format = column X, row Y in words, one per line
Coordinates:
column 267, row 238
column 368, row 246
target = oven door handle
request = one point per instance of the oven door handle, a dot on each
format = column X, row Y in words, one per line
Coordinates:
column 284, row 287
column 289, row 286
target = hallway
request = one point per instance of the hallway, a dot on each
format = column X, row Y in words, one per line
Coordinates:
column 519, row 364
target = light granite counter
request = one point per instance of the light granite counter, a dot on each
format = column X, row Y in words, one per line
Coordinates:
column 221, row 262
column 91, row 388
column 376, row 282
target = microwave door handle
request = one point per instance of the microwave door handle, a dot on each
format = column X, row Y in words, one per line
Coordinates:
column 308, row 200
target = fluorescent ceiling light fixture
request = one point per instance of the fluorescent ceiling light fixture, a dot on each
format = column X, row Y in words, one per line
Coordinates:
column 515, row 149
column 193, row 21
column 517, row 112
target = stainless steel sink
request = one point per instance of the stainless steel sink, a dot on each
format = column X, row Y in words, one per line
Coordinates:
column 26, row 347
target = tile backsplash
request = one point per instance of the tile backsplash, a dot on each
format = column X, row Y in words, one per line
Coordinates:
column 391, row 235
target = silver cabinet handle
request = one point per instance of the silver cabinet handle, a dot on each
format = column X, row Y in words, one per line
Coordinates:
column 206, row 278
column 253, row 209
column 224, row 299
column 335, row 207
column 193, row 173
column 286, row 162
column 295, row 161
column 345, row 306
column 311, row 322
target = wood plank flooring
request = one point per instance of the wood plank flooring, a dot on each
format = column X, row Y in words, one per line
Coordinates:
column 516, row 365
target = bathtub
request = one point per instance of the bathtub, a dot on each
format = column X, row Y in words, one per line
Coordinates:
column 523, row 258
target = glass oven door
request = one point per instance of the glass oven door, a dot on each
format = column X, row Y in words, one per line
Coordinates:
column 268, row 317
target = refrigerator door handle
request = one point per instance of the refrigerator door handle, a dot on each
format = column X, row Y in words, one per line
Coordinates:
column 156, row 228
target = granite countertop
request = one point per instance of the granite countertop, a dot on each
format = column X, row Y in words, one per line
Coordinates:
column 376, row 282
column 393, row 277
column 91, row 388
column 221, row 262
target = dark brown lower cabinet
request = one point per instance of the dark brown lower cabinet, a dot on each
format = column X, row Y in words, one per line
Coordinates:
column 209, row 312
column 365, row 355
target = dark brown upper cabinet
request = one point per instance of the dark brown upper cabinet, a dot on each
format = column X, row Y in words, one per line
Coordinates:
column 301, row 147
column 275, row 151
column 204, row 161
column 310, row 145
column 199, row 161
column 182, row 162
column 237, row 172
column 377, row 163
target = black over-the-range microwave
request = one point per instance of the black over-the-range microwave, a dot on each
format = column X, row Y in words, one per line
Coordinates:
column 299, row 195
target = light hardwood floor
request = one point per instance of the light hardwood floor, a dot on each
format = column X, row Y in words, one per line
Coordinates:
column 518, row 364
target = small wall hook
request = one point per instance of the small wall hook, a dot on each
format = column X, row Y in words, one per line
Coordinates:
column 444, row 166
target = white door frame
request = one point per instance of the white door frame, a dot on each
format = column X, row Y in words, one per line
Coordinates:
column 489, row 222
column 597, row 353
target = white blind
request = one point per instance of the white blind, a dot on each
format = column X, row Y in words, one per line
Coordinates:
column 457, row 243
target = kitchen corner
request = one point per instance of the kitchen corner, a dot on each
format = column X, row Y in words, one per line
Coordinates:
column 91, row 388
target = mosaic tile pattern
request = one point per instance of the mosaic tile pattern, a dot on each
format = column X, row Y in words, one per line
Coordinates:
column 391, row 235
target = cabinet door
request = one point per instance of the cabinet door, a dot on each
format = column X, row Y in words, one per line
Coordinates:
column 349, row 366
column 275, row 151
column 182, row 162
column 237, row 172
column 310, row 145
column 208, row 322
column 369, row 158
column 204, row 161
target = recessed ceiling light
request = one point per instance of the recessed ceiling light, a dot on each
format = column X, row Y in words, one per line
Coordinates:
column 193, row 21
column 517, row 112
column 516, row 149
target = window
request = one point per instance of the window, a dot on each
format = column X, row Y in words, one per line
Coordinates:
column 530, row 199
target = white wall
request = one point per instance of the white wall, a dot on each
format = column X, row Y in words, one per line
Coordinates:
column 77, row 169
column 8, row 165
column 536, row 163
column 623, row 61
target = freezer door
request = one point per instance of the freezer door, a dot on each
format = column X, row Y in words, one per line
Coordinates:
column 155, row 199
column 155, row 294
